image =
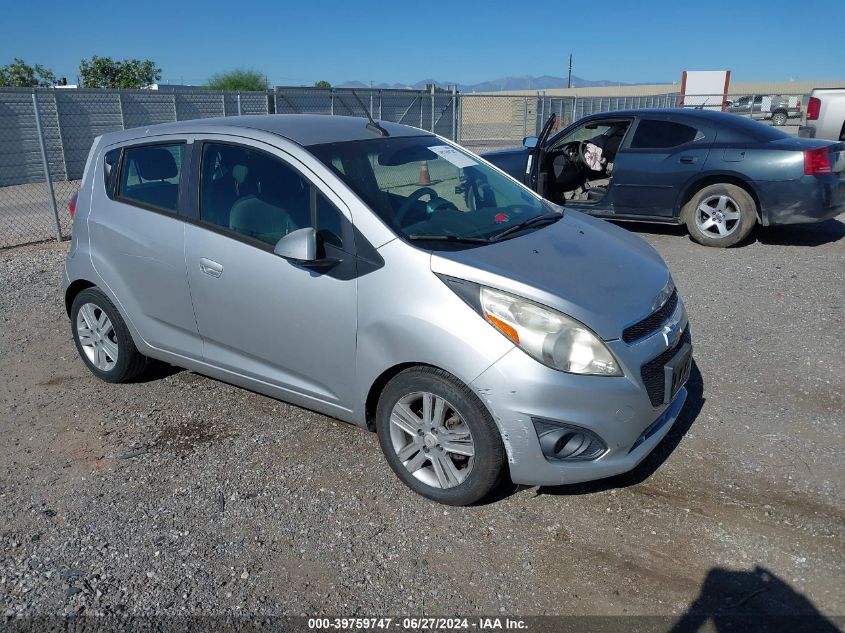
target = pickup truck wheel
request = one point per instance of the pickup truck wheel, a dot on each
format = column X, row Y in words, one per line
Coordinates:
column 720, row 215
column 779, row 118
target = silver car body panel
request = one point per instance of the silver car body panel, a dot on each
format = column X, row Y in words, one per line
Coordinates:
column 323, row 342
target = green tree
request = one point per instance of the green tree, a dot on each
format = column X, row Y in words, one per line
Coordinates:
column 19, row 74
column 322, row 84
column 240, row 79
column 105, row 72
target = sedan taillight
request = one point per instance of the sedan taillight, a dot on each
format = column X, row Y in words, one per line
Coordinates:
column 813, row 107
column 71, row 206
column 817, row 161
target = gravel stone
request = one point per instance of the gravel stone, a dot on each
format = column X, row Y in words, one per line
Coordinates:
column 178, row 494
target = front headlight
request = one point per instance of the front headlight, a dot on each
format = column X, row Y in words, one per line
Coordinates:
column 550, row 336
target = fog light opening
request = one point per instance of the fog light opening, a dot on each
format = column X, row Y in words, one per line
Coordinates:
column 563, row 442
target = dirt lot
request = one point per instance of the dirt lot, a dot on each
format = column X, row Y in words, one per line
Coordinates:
column 179, row 494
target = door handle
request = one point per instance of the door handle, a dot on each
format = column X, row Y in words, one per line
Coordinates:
column 210, row 267
column 688, row 160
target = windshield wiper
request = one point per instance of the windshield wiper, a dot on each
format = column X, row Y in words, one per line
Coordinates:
column 444, row 237
column 535, row 221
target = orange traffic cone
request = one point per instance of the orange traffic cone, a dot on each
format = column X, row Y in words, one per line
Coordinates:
column 425, row 177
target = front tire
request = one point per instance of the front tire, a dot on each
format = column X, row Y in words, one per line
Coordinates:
column 102, row 338
column 720, row 215
column 438, row 437
column 779, row 118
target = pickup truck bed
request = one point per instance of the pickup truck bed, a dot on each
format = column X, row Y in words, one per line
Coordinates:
column 825, row 115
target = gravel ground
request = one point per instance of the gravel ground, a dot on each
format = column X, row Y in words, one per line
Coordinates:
column 179, row 494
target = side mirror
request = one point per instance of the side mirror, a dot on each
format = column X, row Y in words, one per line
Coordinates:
column 530, row 142
column 299, row 246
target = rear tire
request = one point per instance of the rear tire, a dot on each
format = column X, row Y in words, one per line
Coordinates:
column 438, row 437
column 720, row 215
column 102, row 338
column 779, row 118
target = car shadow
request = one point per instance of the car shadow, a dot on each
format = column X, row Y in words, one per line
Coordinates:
column 748, row 602
column 678, row 230
column 826, row 232
column 157, row 370
column 801, row 234
column 653, row 461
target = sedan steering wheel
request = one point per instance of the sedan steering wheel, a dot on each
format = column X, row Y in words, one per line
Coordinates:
column 414, row 197
column 582, row 151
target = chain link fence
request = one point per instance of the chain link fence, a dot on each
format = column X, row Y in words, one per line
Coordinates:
column 46, row 134
column 493, row 121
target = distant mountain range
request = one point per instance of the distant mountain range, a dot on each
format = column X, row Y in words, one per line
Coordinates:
column 526, row 82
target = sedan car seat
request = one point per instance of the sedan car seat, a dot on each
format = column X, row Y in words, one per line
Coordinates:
column 154, row 166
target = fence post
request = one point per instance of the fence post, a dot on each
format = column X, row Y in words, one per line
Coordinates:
column 542, row 112
column 459, row 106
column 239, row 104
column 331, row 92
column 454, row 113
column 120, row 105
column 432, row 107
column 46, row 165
column 524, row 116
column 380, row 99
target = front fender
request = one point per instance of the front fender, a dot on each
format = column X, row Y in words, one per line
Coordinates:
column 407, row 315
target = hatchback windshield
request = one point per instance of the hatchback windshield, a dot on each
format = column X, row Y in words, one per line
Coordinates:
column 427, row 191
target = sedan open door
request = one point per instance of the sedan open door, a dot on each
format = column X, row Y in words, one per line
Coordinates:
column 534, row 178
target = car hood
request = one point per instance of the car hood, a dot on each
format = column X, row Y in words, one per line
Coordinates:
column 592, row 270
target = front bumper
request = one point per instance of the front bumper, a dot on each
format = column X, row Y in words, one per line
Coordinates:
column 517, row 388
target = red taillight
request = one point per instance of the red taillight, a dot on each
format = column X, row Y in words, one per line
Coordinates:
column 71, row 206
column 817, row 161
column 813, row 107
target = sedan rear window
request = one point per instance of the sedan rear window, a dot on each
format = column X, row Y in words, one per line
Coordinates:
column 750, row 129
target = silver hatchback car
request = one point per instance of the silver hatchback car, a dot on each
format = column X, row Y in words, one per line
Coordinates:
column 379, row 274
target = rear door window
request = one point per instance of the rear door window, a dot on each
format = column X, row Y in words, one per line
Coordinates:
column 151, row 174
column 651, row 134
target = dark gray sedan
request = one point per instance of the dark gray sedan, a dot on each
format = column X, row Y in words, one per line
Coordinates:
column 720, row 174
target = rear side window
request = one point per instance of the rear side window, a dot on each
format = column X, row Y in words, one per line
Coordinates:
column 150, row 175
column 110, row 163
column 663, row 135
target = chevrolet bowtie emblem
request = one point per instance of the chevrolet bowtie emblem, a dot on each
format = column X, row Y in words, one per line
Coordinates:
column 671, row 333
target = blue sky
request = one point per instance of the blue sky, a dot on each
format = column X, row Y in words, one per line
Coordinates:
column 453, row 40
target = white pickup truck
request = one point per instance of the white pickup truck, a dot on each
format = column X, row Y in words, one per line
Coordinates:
column 825, row 115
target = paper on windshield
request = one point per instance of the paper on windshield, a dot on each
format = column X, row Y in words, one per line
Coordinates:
column 458, row 159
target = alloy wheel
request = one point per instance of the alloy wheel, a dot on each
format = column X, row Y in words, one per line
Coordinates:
column 718, row 216
column 432, row 440
column 97, row 336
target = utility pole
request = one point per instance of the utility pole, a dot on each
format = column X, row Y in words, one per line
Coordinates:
column 569, row 83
